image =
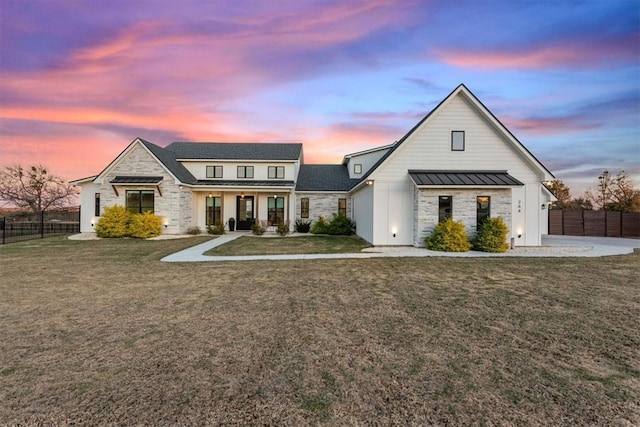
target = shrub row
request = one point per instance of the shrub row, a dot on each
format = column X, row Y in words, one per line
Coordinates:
column 340, row 224
column 117, row 221
column 451, row 236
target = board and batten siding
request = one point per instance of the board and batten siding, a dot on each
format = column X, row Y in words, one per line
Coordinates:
column 429, row 148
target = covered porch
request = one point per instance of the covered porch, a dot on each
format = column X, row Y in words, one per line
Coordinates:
column 238, row 207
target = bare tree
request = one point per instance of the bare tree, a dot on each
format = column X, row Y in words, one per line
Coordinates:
column 616, row 193
column 34, row 188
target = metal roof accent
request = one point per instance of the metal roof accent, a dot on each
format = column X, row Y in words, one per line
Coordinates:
column 126, row 179
column 462, row 178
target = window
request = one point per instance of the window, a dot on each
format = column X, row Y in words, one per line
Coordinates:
column 444, row 207
column 342, row 207
column 245, row 172
column 457, row 140
column 304, row 207
column 97, row 205
column 275, row 213
column 357, row 168
column 276, row 172
column 483, row 209
column 139, row 201
column 214, row 210
column 214, row 171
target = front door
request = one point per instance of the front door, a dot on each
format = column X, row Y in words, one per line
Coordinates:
column 244, row 210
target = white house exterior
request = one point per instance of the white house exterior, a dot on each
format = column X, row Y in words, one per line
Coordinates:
column 458, row 161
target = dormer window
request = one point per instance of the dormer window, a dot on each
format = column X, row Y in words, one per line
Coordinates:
column 357, row 168
column 276, row 172
column 214, row 172
column 457, row 140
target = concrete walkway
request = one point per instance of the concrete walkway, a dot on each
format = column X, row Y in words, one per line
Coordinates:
column 552, row 246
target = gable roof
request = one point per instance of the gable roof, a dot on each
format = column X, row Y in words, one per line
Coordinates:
column 324, row 178
column 483, row 109
column 169, row 161
column 234, row 151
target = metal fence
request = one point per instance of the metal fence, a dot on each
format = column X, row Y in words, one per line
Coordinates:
column 27, row 226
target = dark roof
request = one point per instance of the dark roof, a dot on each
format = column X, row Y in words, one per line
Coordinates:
column 324, row 178
column 463, row 178
column 136, row 179
column 169, row 161
column 235, row 150
column 245, row 183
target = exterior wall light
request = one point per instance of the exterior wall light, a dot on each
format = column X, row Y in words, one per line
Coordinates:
column 369, row 182
column 166, row 223
column 544, row 206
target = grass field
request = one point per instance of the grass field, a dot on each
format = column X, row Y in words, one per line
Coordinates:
column 101, row 332
column 250, row 245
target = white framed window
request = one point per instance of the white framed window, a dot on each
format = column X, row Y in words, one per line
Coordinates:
column 357, row 168
column 457, row 140
column 214, row 171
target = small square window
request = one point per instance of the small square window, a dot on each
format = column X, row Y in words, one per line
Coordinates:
column 457, row 140
column 357, row 168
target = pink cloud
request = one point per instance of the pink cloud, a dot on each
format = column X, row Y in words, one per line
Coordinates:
column 591, row 53
column 547, row 126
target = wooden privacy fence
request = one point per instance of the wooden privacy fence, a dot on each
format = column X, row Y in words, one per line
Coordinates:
column 594, row 223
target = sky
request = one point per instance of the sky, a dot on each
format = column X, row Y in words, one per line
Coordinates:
column 80, row 80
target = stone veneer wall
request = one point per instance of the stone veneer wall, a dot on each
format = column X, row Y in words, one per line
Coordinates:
column 322, row 204
column 425, row 209
column 174, row 206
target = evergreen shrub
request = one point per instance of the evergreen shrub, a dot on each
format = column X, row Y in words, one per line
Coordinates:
column 448, row 236
column 492, row 236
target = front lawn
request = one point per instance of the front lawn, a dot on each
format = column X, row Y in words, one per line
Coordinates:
column 103, row 333
column 252, row 245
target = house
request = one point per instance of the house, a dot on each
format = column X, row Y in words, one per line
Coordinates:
column 458, row 161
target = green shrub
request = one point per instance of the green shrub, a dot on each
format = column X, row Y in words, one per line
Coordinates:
column 321, row 226
column 283, row 228
column 341, row 225
column 492, row 236
column 448, row 236
column 114, row 222
column 145, row 225
column 257, row 229
column 194, row 231
column 216, row 229
column 302, row 226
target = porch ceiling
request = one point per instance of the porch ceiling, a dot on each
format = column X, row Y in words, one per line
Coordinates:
column 462, row 178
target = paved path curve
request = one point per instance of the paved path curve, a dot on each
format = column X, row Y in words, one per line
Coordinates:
column 553, row 246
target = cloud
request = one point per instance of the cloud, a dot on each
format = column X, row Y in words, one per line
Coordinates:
column 586, row 53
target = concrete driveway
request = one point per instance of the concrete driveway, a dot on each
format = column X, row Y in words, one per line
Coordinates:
column 552, row 246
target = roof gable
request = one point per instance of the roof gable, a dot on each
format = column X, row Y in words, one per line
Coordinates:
column 485, row 114
column 165, row 159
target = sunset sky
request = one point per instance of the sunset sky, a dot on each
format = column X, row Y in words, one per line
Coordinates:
column 79, row 80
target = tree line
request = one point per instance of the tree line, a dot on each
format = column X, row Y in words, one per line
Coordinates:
column 612, row 193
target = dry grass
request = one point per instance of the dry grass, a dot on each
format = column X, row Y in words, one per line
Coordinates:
column 251, row 245
column 101, row 332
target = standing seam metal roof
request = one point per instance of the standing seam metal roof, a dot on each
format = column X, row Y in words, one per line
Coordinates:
column 429, row 177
